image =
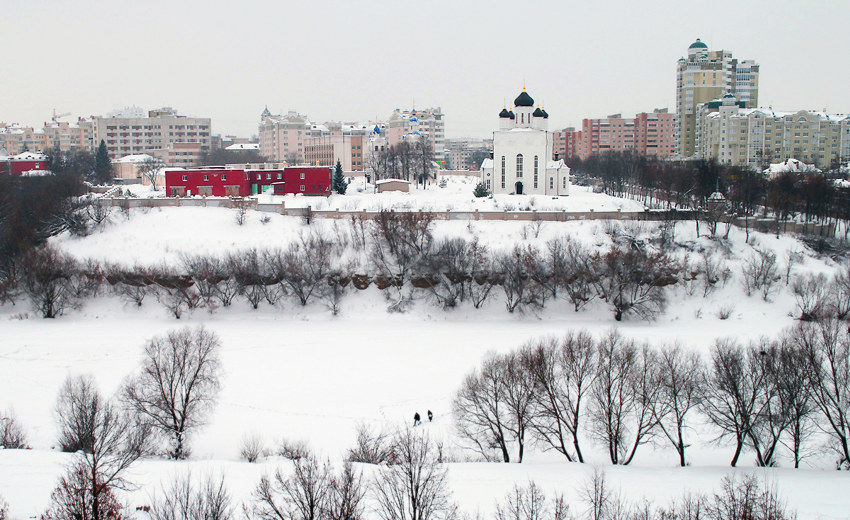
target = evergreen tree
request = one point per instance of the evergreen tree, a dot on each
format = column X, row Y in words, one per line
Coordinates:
column 338, row 182
column 481, row 190
column 102, row 164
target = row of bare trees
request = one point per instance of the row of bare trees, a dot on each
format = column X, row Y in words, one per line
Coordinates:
column 767, row 396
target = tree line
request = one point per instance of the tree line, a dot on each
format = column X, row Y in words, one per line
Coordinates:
column 407, row 160
column 769, row 396
column 685, row 184
column 398, row 253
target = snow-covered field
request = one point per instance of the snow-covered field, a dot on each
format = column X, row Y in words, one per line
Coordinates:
column 299, row 373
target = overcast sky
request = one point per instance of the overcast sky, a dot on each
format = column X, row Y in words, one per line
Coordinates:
column 355, row 60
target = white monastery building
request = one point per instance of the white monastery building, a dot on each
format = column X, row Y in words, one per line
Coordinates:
column 523, row 159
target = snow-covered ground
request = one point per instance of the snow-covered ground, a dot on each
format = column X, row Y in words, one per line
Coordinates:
column 298, row 373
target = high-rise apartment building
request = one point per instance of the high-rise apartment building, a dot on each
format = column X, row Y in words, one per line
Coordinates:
column 649, row 133
column 176, row 140
column 466, row 153
column 53, row 136
column 427, row 124
column 705, row 75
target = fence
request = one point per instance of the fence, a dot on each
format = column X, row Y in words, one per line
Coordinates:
column 758, row 224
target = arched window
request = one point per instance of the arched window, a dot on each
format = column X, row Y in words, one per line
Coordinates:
column 536, row 165
column 519, row 165
column 503, row 172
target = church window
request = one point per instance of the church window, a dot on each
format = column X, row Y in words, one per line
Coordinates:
column 536, row 164
column 565, row 182
column 551, row 183
column 519, row 165
column 503, row 172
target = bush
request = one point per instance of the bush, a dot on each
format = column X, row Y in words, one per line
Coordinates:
column 293, row 450
column 252, row 447
column 12, row 436
column 370, row 447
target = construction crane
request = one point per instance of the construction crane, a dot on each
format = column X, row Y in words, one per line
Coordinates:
column 57, row 116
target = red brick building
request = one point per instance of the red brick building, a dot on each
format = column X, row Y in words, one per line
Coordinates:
column 240, row 182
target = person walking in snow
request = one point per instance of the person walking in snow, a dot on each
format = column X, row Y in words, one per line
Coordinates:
column 430, row 416
column 416, row 419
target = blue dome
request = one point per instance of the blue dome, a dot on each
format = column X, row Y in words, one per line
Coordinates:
column 698, row 45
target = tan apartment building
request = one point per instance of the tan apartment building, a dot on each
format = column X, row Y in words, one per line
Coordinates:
column 54, row 135
column 175, row 139
column 428, row 124
column 705, row 75
column 756, row 137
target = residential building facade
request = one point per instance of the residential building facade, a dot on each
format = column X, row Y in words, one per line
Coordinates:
column 705, row 75
column 460, row 154
column 755, row 137
column 54, row 135
column 175, row 139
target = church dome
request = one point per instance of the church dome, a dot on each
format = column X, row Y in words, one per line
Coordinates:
column 545, row 113
column 504, row 113
column 698, row 45
column 524, row 100
column 511, row 114
column 537, row 112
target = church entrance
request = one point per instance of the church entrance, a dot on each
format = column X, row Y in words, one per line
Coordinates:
column 518, row 188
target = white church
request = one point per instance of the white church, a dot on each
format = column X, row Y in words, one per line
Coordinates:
column 523, row 161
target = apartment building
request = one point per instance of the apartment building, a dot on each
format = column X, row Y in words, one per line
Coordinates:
column 428, row 124
column 461, row 153
column 566, row 142
column 175, row 139
column 731, row 133
column 54, row 135
column 352, row 144
column 282, row 136
column 648, row 133
column 705, row 75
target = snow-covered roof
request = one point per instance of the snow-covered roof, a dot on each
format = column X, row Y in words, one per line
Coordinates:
column 243, row 146
column 135, row 158
column 385, row 181
column 557, row 165
column 487, row 163
column 29, row 156
column 790, row 165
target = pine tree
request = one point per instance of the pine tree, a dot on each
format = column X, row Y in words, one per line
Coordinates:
column 102, row 164
column 338, row 183
column 481, row 190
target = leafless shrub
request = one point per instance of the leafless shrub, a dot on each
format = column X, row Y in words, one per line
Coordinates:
column 725, row 311
column 253, row 447
column 47, row 280
column 186, row 362
column 83, row 495
column 400, row 247
column 532, row 229
column 839, row 306
column 515, row 276
column 747, row 498
column 250, row 276
column 12, row 436
column 371, row 446
column 79, row 410
column 346, row 495
column 792, row 258
column 811, row 296
column 305, row 266
column 603, row 503
column 481, row 279
column 131, row 284
column 241, row 206
column 577, row 276
column 293, row 450
column 760, row 273
column 187, row 499
column 302, row 496
column 530, row 503
column 174, row 291
column 714, row 273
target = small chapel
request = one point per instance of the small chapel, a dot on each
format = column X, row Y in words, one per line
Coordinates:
column 523, row 161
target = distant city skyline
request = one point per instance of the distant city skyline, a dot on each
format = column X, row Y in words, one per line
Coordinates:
column 357, row 61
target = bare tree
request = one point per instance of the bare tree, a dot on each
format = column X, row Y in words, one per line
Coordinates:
column 633, row 282
column 252, row 447
column 839, row 306
column 302, row 496
column 530, row 503
column 176, row 292
column 481, row 417
column 481, row 279
column 371, row 447
column 564, row 372
column 625, row 397
column 416, row 488
column 346, row 495
column 576, row 274
column 78, row 409
column 735, row 391
column 826, row 345
column 603, row 502
column 681, row 376
column 188, row 499
column 250, row 276
column 149, row 169
column 79, row 496
column 450, row 267
column 518, row 392
column 811, row 296
column 12, row 436
column 795, row 396
column 514, row 272
column 305, row 266
column 133, row 284
column 178, row 384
